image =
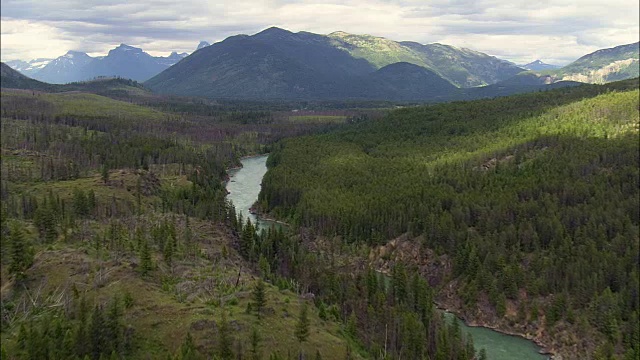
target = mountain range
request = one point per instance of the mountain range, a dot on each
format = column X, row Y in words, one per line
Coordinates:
column 123, row 61
column 28, row 68
column 279, row 64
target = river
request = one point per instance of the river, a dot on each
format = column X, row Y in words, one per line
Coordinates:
column 244, row 187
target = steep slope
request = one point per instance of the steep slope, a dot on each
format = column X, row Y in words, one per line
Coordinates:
column 64, row 69
column 406, row 82
column 529, row 203
column 462, row 67
column 465, row 67
column 28, row 68
column 605, row 65
column 10, row 78
column 274, row 63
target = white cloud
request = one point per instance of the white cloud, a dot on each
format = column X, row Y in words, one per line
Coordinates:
column 24, row 39
column 554, row 30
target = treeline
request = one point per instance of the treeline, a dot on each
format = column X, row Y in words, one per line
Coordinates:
column 535, row 193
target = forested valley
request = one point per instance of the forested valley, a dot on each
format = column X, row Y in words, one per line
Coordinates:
column 521, row 212
column 118, row 240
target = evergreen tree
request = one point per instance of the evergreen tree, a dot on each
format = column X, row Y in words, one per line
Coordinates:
column 45, row 221
column 256, row 354
column 302, row 327
column 259, row 296
column 167, row 252
column 225, row 341
column 114, row 326
column 188, row 350
column 104, row 173
column 146, row 264
column 98, row 333
column 21, row 257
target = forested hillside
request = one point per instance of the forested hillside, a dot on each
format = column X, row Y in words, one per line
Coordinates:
column 532, row 199
column 118, row 241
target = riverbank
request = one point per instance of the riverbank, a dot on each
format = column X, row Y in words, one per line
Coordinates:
column 475, row 324
column 255, row 210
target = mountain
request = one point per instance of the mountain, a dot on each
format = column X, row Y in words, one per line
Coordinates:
column 123, row 61
column 173, row 58
column 279, row 64
column 605, row 65
column 462, row 67
column 28, row 68
column 64, row 69
column 538, row 65
column 12, row 79
column 406, row 81
column 202, row 44
column 274, row 63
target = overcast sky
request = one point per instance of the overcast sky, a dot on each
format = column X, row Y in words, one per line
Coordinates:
column 557, row 32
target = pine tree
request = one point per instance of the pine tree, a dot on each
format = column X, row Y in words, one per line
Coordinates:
column 45, row 221
column 114, row 326
column 139, row 195
column 265, row 268
column 259, row 296
column 352, row 325
column 255, row 345
column 302, row 327
column 188, row 235
column 188, row 349
column 168, row 250
column 21, row 258
column 104, row 173
column 97, row 333
column 145, row 258
column 246, row 239
column 224, row 338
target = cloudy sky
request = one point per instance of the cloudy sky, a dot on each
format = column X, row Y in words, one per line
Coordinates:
column 557, row 31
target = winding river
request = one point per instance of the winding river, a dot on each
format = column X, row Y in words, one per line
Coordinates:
column 244, row 187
